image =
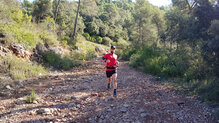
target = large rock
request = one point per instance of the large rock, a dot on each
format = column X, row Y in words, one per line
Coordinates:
column 8, row 87
column 20, row 51
column 2, row 54
column 123, row 109
column 57, row 50
column 44, row 111
column 3, row 51
column 99, row 50
column 40, row 48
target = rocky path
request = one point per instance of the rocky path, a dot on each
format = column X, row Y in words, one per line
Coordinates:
column 80, row 96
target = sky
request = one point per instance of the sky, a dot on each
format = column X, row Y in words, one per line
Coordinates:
column 154, row 2
column 160, row 2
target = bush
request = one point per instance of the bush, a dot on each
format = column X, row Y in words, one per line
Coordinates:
column 208, row 90
column 107, row 41
column 32, row 97
column 127, row 53
column 87, row 36
column 18, row 28
column 160, row 62
column 67, row 41
column 91, row 54
column 93, row 38
column 86, row 55
column 121, row 43
column 99, row 39
column 49, row 38
column 15, row 33
column 19, row 69
column 187, row 68
column 56, row 61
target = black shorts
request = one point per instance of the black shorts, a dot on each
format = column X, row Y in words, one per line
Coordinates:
column 110, row 73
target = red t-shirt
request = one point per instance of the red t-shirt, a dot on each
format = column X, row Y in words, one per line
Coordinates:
column 112, row 60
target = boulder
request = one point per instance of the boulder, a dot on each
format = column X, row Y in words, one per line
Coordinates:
column 57, row 50
column 20, row 51
column 3, row 51
column 2, row 54
column 40, row 48
column 44, row 111
column 8, row 87
column 97, row 49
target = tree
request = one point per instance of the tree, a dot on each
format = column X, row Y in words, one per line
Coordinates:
column 158, row 20
column 56, row 12
column 89, row 9
column 66, row 18
column 28, row 7
column 42, row 9
column 143, row 31
column 76, row 19
column 211, row 48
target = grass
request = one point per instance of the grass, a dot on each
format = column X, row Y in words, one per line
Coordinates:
column 32, row 97
column 86, row 49
column 56, row 61
column 19, row 69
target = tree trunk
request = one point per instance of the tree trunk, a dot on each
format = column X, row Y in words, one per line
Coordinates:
column 158, row 31
column 76, row 19
column 56, row 13
column 189, row 6
column 139, row 36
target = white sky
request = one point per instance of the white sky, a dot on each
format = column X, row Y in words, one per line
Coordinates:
column 160, row 2
column 154, row 2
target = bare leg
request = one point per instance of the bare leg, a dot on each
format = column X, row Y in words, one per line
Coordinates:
column 114, row 80
column 108, row 80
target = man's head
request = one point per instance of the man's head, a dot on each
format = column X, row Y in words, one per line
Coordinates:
column 112, row 49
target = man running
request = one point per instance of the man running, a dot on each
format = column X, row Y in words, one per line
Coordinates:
column 111, row 68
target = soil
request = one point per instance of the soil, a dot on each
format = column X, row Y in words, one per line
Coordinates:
column 81, row 95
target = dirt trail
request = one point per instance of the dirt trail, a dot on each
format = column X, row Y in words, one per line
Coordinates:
column 80, row 95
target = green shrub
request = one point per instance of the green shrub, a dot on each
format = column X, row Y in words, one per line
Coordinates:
column 91, row 54
column 49, row 38
column 188, row 69
column 93, row 38
column 157, row 62
column 56, row 61
column 127, row 53
column 49, row 23
column 208, row 90
column 87, row 36
column 15, row 33
column 18, row 28
column 135, row 60
column 19, row 69
column 121, row 43
column 84, row 55
column 32, row 97
column 107, row 41
column 66, row 40
column 99, row 39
